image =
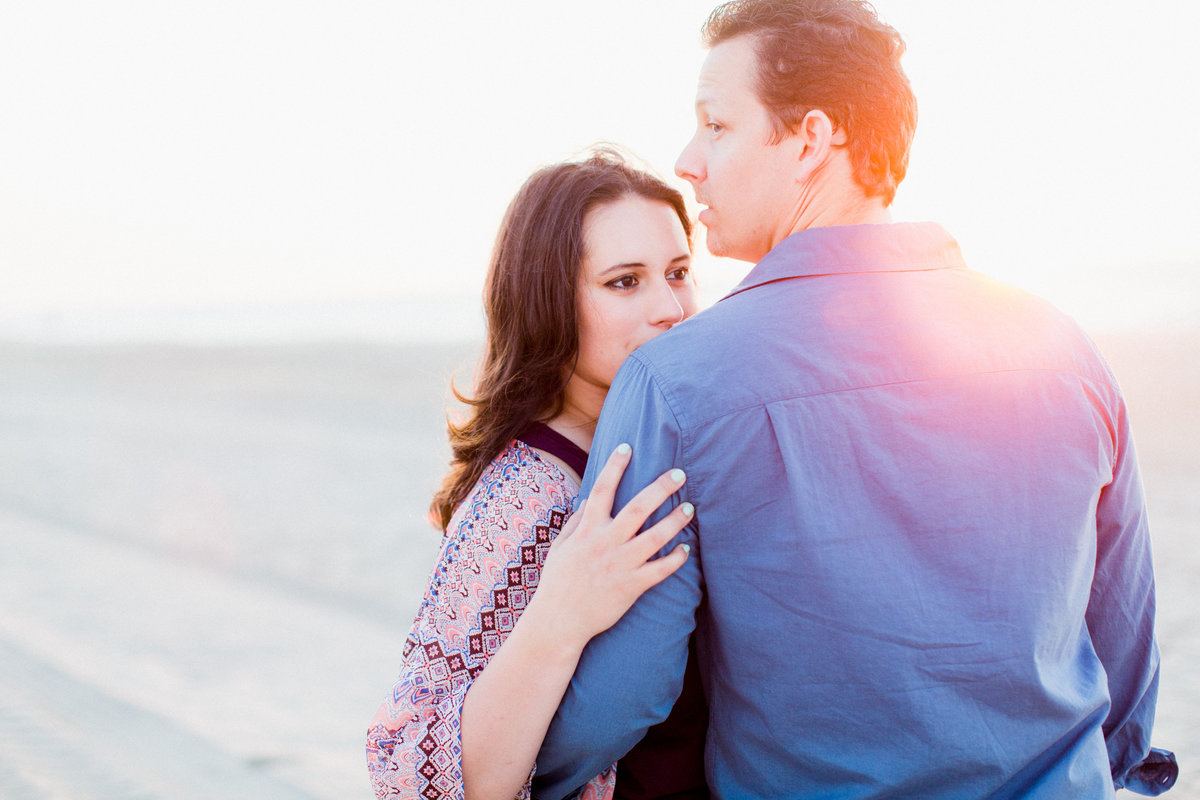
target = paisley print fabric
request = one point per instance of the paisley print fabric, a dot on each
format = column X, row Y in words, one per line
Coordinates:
column 486, row 573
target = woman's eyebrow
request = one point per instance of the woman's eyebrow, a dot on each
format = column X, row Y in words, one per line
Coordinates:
column 623, row 266
column 627, row 265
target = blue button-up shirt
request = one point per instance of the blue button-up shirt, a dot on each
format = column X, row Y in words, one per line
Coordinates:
column 920, row 561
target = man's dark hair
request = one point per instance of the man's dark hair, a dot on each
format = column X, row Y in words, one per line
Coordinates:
column 836, row 56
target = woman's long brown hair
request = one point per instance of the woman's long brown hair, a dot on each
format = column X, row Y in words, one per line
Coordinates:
column 530, row 301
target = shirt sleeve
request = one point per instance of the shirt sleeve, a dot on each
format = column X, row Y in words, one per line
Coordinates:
column 1120, row 614
column 486, row 572
column 629, row 676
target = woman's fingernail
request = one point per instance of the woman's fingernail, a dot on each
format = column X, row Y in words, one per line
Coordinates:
column 624, row 449
column 688, row 510
column 677, row 475
column 687, row 548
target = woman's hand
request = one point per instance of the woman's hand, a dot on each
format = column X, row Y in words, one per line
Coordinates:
column 599, row 565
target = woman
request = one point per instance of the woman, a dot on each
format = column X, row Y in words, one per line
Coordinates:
column 592, row 260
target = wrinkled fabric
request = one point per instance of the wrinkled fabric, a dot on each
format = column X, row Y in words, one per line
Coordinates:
column 920, row 539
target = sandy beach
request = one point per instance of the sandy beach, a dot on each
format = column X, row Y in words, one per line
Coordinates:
column 211, row 557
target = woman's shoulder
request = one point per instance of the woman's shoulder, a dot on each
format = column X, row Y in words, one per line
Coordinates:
column 519, row 485
column 496, row 543
column 521, row 465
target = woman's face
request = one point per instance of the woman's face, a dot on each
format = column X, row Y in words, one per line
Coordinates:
column 635, row 282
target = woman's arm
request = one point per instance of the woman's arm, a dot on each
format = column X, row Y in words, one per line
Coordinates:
column 596, row 569
column 488, row 566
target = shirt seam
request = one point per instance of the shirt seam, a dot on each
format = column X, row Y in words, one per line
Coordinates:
column 685, row 435
column 846, row 390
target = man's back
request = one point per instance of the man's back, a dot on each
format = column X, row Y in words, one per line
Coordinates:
column 898, row 468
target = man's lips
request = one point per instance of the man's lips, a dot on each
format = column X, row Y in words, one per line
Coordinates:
column 704, row 215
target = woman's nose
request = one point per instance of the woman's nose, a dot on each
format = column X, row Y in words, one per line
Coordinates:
column 667, row 308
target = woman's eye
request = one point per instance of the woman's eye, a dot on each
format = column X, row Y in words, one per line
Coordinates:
column 623, row 282
column 679, row 274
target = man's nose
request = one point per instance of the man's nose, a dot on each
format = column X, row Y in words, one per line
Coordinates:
column 689, row 166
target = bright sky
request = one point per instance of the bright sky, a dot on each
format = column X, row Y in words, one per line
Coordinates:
column 170, row 156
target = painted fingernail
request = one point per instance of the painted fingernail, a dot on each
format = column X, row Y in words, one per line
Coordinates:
column 677, row 475
column 624, row 449
column 687, row 548
column 688, row 509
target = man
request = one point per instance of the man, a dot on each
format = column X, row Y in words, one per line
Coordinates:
column 920, row 560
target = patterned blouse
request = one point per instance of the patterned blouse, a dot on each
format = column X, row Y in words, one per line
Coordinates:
column 487, row 570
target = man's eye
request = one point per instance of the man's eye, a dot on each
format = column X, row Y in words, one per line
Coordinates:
column 715, row 127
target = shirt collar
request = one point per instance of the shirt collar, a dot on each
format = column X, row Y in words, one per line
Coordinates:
column 891, row 247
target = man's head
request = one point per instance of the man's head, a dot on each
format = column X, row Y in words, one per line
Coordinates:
column 799, row 103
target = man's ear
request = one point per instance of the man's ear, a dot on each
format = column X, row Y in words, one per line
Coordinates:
column 817, row 136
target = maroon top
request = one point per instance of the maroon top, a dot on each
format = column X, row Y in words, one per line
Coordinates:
column 543, row 437
column 668, row 763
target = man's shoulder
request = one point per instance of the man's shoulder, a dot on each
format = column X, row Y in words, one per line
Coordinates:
column 700, row 340
column 1031, row 324
column 686, row 355
column 807, row 336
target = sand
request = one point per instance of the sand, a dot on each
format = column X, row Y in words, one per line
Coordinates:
column 211, row 556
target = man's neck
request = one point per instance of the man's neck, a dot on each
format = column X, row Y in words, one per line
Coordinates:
column 833, row 197
column 864, row 213
column 858, row 211
column 843, row 202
